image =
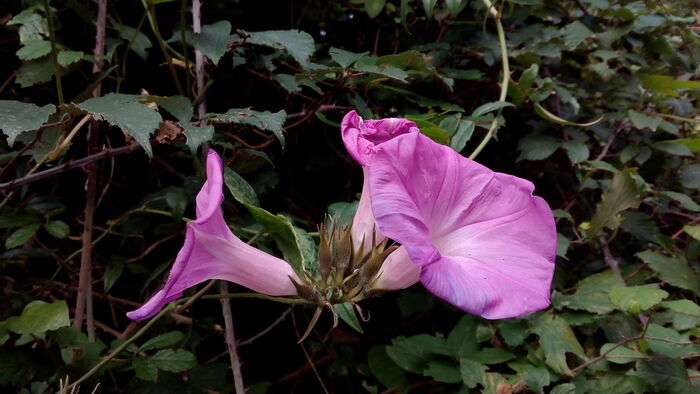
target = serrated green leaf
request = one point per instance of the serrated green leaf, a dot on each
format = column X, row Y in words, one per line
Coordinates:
column 690, row 176
column 642, row 121
column 472, row 372
column 443, row 371
column 513, row 331
column 34, row 49
column 197, row 135
column 667, row 85
column 289, row 83
column 684, row 200
column 174, row 360
column 464, row 132
column 57, row 228
column 491, row 356
column 126, row 112
column 348, row 315
column 240, row 188
column 344, row 58
column 636, row 299
column 665, row 375
column 577, row 150
column 564, row 388
column 621, row 195
column 343, row 211
column 180, row 107
column 462, row 339
column 413, row 353
column 537, row 147
column 140, row 42
column 22, row 235
column 673, row 149
column 212, row 41
column 17, row 117
column 556, row 340
column 299, row 44
column 66, row 58
column 592, row 294
column 161, row 341
column 32, row 26
column 145, row 369
column 39, row 317
column 673, row 270
column 264, row 120
column 536, row 378
column 489, row 107
column 575, row 33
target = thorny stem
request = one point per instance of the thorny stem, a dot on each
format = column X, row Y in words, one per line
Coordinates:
column 506, row 76
column 124, row 345
column 199, row 60
column 231, row 340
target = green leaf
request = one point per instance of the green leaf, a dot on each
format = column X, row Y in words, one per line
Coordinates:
column 621, row 195
column 591, row 294
column 444, row 371
column 428, row 6
column 690, row 176
column 462, row 339
column 32, row 25
column 212, row 41
column 22, row 235
column 112, row 274
column 197, row 135
column 289, row 83
column 575, row 33
column 145, row 369
column 636, row 299
column 672, row 270
column 374, row 7
column 668, row 342
column 556, row 340
column 489, row 107
column 299, row 44
column 344, row 58
column 684, row 200
column 174, row 360
column 513, row 331
column 537, row 147
column 462, row 135
column 343, row 211
column 161, row 341
column 35, row 72
column 577, row 150
column 642, row 121
column 683, row 306
column 180, row 107
column 34, row 49
column 413, row 354
column 667, row 85
column 126, row 112
column 39, row 317
column 240, row 188
column 546, row 115
column 621, row 354
column 413, row 302
column 264, row 120
column 564, row 388
column 66, row 58
column 17, row 117
column 472, row 372
column 665, row 375
column 673, row 149
column 140, row 42
column 348, row 315
column 491, row 356
column 57, row 228
column 384, row 369
column 536, row 378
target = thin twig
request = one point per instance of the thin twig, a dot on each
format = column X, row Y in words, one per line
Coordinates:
column 33, row 177
column 266, row 330
column 199, row 60
column 308, row 358
column 54, row 52
column 231, row 340
column 609, row 259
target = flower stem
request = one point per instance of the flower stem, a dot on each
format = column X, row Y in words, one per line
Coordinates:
column 506, row 76
column 289, row 301
column 231, row 340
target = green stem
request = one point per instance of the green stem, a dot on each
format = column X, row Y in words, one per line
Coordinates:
column 54, row 58
column 504, row 83
column 123, row 346
column 150, row 10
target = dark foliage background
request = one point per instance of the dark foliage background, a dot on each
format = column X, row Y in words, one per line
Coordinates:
column 604, row 120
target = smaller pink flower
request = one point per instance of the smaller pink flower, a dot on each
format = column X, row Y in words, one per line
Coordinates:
column 211, row 251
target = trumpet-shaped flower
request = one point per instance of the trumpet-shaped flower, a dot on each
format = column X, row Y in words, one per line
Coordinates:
column 211, row 251
column 477, row 238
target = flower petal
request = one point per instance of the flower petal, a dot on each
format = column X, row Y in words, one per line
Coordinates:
column 211, row 251
column 363, row 225
column 483, row 242
column 360, row 136
column 398, row 271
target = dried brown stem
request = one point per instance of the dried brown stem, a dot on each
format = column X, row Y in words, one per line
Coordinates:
column 231, row 341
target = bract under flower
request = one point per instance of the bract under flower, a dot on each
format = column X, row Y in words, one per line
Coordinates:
column 483, row 242
column 211, row 251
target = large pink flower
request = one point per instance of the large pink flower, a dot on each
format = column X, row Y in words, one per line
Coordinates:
column 479, row 239
column 211, row 251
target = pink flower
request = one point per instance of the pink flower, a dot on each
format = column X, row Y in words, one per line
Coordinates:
column 476, row 238
column 211, row 251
